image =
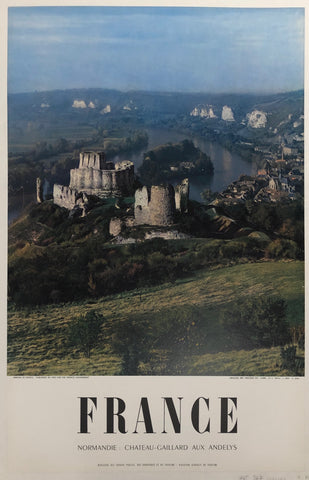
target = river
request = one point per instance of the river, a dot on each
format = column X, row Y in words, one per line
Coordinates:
column 227, row 166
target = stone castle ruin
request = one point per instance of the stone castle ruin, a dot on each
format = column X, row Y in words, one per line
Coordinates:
column 69, row 198
column 182, row 196
column 155, row 205
column 95, row 176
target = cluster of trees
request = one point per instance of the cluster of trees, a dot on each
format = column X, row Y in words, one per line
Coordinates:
column 291, row 361
column 80, row 265
column 84, row 269
column 285, row 220
column 69, row 257
column 256, row 322
column 25, row 168
column 157, row 163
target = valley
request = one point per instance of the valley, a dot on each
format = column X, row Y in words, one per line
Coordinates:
column 165, row 296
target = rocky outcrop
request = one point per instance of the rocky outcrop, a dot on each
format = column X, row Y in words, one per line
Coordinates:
column 166, row 235
column 106, row 110
column 170, row 235
column 298, row 122
column 116, row 225
column 195, row 112
column 82, row 104
column 256, row 119
column 227, row 114
column 79, row 104
column 203, row 112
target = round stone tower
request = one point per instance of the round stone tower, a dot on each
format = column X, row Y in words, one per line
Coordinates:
column 162, row 205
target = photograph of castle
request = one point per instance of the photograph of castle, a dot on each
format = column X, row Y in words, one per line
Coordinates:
column 155, row 191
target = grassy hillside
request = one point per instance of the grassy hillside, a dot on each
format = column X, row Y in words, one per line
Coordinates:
column 38, row 345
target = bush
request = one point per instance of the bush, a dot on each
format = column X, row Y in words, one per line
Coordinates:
column 290, row 361
column 256, row 322
column 288, row 356
column 132, row 341
column 83, row 332
column 182, row 329
column 282, row 248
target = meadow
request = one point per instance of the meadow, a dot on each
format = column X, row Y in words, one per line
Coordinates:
column 182, row 319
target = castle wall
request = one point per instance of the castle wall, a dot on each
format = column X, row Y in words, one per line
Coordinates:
column 124, row 176
column 117, row 224
column 39, row 190
column 65, row 196
column 182, row 196
column 141, row 206
column 96, row 179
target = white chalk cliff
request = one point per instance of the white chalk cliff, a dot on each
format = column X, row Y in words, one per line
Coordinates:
column 79, row 104
column 106, row 109
column 227, row 114
column 203, row 112
column 257, row 119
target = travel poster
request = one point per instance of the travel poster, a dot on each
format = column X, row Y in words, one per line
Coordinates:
column 154, row 309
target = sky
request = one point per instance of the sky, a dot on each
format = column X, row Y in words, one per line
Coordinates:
column 213, row 50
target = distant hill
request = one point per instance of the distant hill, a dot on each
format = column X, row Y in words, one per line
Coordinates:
column 76, row 113
column 61, row 101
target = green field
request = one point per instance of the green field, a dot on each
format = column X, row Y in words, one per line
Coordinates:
column 24, row 139
column 37, row 337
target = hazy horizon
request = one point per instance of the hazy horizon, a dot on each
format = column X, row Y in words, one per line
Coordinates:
column 121, row 90
column 156, row 49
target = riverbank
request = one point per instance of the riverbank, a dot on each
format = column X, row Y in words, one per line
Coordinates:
column 228, row 166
